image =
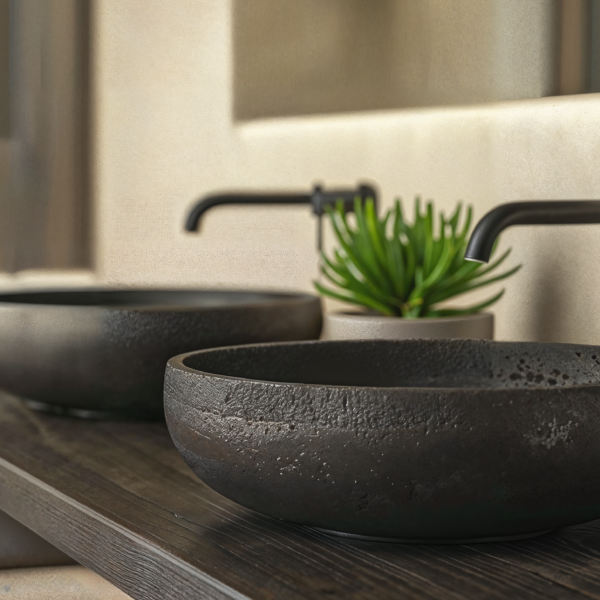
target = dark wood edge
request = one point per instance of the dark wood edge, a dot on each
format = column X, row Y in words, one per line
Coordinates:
column 103, row 545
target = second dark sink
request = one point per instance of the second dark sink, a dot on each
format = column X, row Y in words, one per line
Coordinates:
column 102, row 353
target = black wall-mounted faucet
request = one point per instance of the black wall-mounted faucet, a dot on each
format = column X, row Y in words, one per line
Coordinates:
column 543, row 212
column 319, row 199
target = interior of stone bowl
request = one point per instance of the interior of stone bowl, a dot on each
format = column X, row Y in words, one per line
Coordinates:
column 408, row 363
column 148, row 298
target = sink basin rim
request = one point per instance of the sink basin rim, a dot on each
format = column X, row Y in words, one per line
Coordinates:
column 178, row 362
column 274, row 297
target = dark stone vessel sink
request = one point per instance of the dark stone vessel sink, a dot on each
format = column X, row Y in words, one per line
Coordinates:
column 416, row 440
column 102, row 353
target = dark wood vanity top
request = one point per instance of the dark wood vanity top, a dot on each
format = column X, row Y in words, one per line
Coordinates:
column 119, row 499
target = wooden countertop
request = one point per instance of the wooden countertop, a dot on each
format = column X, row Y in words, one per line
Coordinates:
column 120, row 500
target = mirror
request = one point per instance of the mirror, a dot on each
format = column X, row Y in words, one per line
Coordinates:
column 310, row 57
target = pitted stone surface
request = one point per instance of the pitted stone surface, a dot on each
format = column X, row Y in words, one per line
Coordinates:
column 427, row 439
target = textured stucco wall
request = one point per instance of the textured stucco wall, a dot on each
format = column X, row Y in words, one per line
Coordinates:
column 165, row 136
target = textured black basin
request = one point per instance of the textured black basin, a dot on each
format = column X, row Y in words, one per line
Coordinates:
column 415, row 440
column 102, row 353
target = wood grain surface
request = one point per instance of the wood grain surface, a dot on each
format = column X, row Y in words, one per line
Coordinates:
column 118, row 498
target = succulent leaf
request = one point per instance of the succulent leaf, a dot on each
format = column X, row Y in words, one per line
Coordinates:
column 399, row 269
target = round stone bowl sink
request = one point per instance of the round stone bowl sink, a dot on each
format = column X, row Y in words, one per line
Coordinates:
column 102, row 353
column 441, row 441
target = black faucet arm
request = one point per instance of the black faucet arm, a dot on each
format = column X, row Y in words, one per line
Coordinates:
column 193, row 219
column 544, row 212
column 319, row 199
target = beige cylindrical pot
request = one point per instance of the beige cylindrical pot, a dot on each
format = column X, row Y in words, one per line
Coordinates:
column 363, row 326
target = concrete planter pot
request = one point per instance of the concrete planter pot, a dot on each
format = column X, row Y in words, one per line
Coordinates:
column 364, row 326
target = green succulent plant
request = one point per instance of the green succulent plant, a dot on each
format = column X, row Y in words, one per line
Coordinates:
column 401, row 269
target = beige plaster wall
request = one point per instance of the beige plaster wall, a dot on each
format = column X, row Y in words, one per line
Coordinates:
column 165, row 136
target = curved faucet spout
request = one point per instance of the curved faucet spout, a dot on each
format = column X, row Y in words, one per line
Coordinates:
column 319, row 199
column 193, row 219
column 543, row 212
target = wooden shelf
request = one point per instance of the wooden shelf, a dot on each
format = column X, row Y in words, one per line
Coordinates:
column 118, row 498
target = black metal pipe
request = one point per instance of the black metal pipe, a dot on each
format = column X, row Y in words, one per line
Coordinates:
column 543, row 212
column 193, row 218
column 319, row 199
